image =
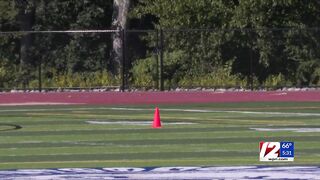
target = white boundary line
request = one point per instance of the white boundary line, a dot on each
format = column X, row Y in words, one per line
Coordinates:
column 37, row 104
column 288, row 129
column 163, row 109
column 162, row 173
column 226, row 111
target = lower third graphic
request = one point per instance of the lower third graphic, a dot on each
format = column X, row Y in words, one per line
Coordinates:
column 276, row 151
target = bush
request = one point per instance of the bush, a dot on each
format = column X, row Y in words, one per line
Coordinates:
column 7, row 74
column 82, row 80
column 315, row 77
column 220, row 77
column 176, row 74
column 144, row 72
column 275, row 81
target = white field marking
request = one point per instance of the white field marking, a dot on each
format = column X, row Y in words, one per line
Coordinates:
column 288, row 129
column 117, row 153
column 37, row 103
column 279, row 94
column 162, row 173
column 221, row 111
column 134, row 122
column 31, row 142
column 283, row 114
column 56, row 109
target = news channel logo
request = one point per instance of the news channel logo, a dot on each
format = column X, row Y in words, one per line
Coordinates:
column 276, row 151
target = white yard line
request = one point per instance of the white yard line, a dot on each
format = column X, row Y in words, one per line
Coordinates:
column 288, row 129
column 135, row 122
column 162, row 109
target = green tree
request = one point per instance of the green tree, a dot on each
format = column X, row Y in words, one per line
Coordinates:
column 58, row 53
column 8, row 13
column 81, row 51
column 246, row 33
column 201, row 49
column 281, row 51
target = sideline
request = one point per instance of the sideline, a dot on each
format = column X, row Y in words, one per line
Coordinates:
column 227, row 172
column 162, row 109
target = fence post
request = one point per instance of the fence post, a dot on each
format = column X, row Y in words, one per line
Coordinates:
column 251, row 60
column 156, row 56
column 40, row 78
column 161, row 60
column 122, row 69
column 251, row 70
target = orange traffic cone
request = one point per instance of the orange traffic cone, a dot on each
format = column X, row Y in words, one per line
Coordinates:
column 156, row 120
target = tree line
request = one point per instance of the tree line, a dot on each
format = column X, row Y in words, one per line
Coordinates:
column 205, row 43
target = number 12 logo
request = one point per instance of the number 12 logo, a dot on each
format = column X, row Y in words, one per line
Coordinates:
column 269, row 150
column 276, row 151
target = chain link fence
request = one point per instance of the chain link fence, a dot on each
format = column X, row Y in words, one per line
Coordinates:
column 165, row 59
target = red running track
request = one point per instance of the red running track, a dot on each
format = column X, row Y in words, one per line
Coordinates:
column 159, row 97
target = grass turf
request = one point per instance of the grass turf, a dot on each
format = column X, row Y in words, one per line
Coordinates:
column 60, row 136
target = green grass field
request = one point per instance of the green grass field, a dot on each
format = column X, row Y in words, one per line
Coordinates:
column 60, row 136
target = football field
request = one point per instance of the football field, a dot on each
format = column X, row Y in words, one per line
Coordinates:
column 206, row 134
